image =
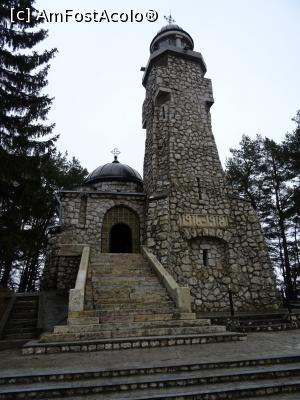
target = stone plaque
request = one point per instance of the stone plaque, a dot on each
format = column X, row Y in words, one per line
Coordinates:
column 203, row 221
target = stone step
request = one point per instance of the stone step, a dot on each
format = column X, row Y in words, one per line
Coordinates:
column 106, row 290
column 139, row 291
column 140, row 263
column 132, row 298
column 20, row 323
column 83, row 320
column 128, row 307
column 257, row 323
column 119, row 260
column 124, row 317
column 27, row 298
column 114, row 326
column 22, row 307
column 131, row 307
column 43, row 347
column 19, row 336
column 24, row 329
column 94, row 332
column 119, row 280
column 240, row 364
column 254, row 389
column 20, row 314
column 125, row 298
column 266, row 328
column 139, row 315
column 134, row 306
column 263, row 322
column 111, row 256
column 262, row 316
column 108, row 268
column 27, row 303
column 139, row 286
column 28, row 307
column 123, row 273
column 6, row 344
column 119, row 263
column 83, row 313
column 213, row 383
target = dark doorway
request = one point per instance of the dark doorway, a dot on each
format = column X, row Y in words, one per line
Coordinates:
column 120, row 239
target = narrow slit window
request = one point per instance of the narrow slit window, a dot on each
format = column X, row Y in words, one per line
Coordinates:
column 205, row 257
column 199, row 189
column 82, row 210
column 163, row 112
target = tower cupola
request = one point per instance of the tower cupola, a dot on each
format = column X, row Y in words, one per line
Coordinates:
column 172, row 35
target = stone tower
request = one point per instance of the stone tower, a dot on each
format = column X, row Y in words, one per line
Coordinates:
column 201, row 231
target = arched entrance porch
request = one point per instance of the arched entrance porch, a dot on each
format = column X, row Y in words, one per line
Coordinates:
column 120, row 231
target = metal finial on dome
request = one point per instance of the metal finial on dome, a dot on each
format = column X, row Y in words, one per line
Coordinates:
column 115, row 152
column 169, row 18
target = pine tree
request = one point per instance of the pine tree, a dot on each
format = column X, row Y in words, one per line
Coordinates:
column 243, row 169
column 26, row 141
column 268, row 174
column 275, row 208
column 57, row 172
column 291, row 153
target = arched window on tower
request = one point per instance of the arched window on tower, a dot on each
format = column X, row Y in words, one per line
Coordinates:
column 82, row 210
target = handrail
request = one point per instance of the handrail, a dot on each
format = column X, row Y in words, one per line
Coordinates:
column 7, row 312
column 76, row 297
column 40, row 318
column 180, row 294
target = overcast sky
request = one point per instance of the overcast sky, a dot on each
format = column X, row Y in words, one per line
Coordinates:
column 251, row 48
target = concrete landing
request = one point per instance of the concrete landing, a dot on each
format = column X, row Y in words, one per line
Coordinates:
column 285, row 343
column 267, row 366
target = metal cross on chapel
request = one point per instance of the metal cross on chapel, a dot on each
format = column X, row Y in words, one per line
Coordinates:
column 169, row 19
column 115, row 152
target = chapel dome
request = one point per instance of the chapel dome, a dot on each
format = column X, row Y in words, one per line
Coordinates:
column 114, row 171
column 174, row 35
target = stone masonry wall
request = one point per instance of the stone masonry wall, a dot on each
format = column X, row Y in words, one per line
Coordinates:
column 60, row 272
column 183, row 178
column 117, row 186
column 49, row 277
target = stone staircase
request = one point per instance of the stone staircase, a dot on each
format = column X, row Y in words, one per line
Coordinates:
column 21, row 325
column 127, row 306
column 260, row 322
column 124, row 282
column 270, row 377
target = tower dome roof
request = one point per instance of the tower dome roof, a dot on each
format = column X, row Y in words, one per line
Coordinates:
column 114, row 171
column 170, row 27
column 168, row 34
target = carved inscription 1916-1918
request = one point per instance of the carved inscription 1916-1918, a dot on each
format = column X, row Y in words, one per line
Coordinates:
column 203, row 220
